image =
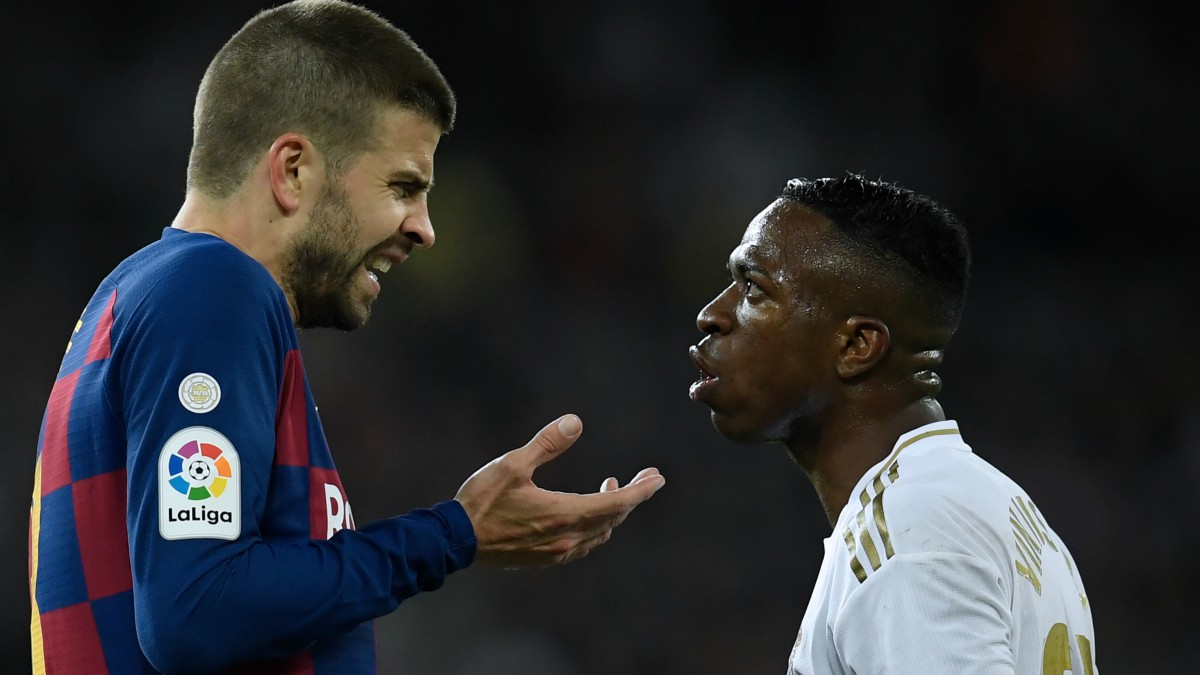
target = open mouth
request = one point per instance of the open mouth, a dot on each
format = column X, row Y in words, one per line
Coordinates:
column 705, row 373
column 377, row 266
column 707, row 377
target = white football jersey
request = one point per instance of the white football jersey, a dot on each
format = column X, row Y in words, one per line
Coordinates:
column 941, row 564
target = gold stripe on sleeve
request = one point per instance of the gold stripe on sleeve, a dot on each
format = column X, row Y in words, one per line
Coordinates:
column 891, row 469
column 864, row 538
column 855, row 565
column 881, row 525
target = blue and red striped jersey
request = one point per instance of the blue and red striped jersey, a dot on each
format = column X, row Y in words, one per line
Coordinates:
column 187, row 515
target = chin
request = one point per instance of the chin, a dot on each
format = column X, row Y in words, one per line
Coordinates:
column 353, row 320
column 737, row 430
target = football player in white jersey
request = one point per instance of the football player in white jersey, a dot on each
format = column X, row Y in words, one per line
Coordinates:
column 843, row 296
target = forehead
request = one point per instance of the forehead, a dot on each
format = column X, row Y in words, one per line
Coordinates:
column 404, row 141
column 784, row 239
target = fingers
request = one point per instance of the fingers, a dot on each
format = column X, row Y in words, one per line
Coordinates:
column 612, row 503
column 645, row 484
column 645, row 473
column 550, row 442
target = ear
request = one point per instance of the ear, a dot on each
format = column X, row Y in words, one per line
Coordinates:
column 865, row 342
column 291, row 164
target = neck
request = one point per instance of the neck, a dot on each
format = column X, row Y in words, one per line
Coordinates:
column 836, row 456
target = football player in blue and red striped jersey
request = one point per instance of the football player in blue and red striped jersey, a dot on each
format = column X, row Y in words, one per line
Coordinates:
column 184, row 489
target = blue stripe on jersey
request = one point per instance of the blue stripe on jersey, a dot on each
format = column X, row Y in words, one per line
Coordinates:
column 122, row 654
column 58, row 550
column 91, row 429
column 289, row 487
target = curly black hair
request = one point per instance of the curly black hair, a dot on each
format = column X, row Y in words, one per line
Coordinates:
column 900, row 230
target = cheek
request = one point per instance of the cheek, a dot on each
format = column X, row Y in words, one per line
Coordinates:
column 375, row 221
column 783, row 370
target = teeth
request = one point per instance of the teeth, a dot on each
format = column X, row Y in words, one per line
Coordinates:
column 381, row 263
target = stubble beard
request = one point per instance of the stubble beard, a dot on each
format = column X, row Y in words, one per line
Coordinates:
column 321, row 264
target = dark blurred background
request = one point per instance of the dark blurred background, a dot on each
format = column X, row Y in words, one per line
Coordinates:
column 607, row 157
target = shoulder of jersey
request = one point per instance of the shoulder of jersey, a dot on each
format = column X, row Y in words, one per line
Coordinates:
column 183, row 264
column 927, row 500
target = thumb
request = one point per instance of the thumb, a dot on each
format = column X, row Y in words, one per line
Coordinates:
column 550, row 442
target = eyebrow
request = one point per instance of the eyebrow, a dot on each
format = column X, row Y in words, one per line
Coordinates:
column 411, row 179
column 745, row 261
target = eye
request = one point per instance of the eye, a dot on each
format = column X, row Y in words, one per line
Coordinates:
column 401, row 190
column 751, row 289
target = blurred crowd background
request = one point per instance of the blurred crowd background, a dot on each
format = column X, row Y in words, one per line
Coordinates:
column 607, row 157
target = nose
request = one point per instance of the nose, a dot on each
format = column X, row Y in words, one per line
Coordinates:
column 715, row 317
column 417, row 227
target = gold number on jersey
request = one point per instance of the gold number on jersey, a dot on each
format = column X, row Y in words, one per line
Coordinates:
column 1056, row 657
column 1030, row 534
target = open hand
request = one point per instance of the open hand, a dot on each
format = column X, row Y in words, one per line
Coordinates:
column 518, row 524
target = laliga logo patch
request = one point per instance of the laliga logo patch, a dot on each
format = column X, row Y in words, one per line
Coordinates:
column 200, row 393
column 199, row 486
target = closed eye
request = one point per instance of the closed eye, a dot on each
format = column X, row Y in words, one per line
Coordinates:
column 408, row 185
column 404, row 189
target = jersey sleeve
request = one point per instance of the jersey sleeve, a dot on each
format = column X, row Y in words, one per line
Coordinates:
column 933, row 613
column 204, row 603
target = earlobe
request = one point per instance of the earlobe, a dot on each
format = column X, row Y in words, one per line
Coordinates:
column 289, row 154
column 865, row 343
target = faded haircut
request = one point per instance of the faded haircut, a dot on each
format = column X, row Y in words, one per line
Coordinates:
column 323, row 68
column 898, row 230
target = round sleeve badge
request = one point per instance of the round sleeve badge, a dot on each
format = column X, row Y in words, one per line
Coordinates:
column 200, row 393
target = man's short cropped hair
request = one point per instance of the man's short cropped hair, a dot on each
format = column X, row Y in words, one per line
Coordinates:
column 323, row 68
column 898, row 231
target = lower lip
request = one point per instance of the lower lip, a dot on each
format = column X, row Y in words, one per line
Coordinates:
column 373, row 282
column 699, row 387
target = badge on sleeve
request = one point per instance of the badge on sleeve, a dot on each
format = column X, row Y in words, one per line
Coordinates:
column 200, row 393
column 199, row 486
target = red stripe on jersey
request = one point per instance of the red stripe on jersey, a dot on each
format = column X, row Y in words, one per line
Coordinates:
column 291, row 421
column 56, row 458
column 103, row 539
column 329, row 510
column 71, row 642
column 101, row 346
